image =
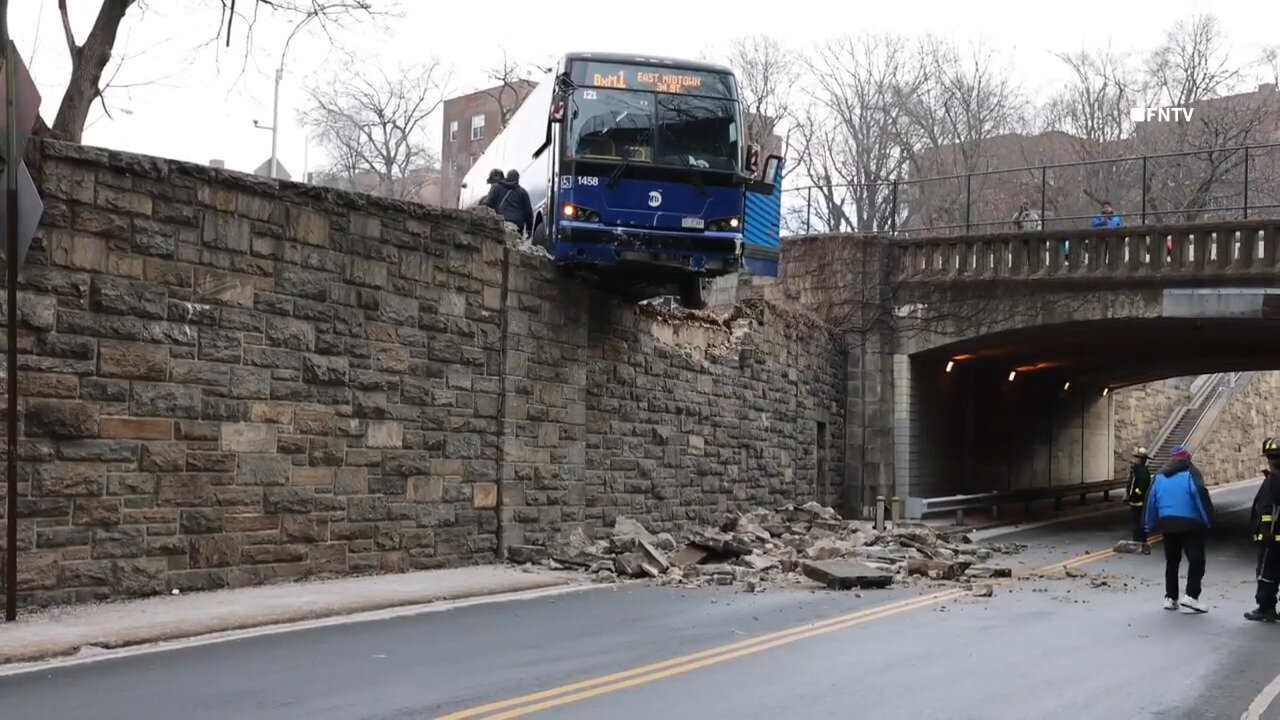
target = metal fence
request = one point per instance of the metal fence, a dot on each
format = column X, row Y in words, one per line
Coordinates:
column 1219, row 184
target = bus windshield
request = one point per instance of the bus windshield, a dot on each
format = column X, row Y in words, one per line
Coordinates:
column 657, row 128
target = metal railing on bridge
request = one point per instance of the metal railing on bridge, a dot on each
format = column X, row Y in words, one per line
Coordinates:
column 1194, row 249
column 1209, row 185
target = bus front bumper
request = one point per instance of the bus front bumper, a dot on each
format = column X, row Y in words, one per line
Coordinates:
column 710, row 253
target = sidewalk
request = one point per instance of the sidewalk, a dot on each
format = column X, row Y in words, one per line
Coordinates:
column 56, row 632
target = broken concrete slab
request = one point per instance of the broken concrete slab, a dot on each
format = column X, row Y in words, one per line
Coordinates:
column 987, row 571
column 689, row 555
column 521, row 554
column 759, row 563
column 985, row 590
column 630, row 565
column 845, row 574
column 626, row 527
column 936, row 569
column 652, row 555
column 828, row 549
column 1128, row 547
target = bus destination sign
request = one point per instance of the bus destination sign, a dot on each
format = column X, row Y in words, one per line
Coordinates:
column 653, row 79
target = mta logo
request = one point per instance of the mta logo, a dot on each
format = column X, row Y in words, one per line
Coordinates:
column 655, row 198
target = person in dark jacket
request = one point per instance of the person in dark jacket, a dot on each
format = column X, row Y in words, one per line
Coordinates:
column 495, row 191
column 512, row 203
column 1266, row 533
column 1179, row 506
column 1136, row 496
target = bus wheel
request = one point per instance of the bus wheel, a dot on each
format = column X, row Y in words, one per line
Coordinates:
column 692, row 296
column 540, row 236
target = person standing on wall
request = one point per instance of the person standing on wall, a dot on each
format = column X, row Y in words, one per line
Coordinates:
column 1136, row 496
column 1266, row 533
column 1179, row 506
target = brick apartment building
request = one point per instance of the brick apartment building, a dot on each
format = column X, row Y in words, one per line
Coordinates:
column 470, row 123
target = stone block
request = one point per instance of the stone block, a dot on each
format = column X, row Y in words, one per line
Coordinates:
column 308, row 226
column 324, row 370
column 485, row 496
column 262, row 470
column 67, row 480
column 133, row 578
column 225, row 232
column 351, row 481
column 123, row 542
column 311, row 476
column 271, row 412
column 86, row 573
column 133, row 360
column 304, row 529
column 60, row 419
column 117, row 296
column 251, row 523
column 136, row 428
column 96, row 511
column 76, row 250
column 201, row 521
column 169, row 400
column 117, row 451
column 163, row 457
column 37, row 570
column 248, row 438
column 290, row 334
column 384, row 434
column 212, row 551
column 261, row 554
column 250, row 383
column 195, row 372
column 314, row 421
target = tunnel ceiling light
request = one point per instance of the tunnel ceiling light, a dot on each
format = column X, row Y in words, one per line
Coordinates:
column 1105, row 391
column 1066, row 386
column 951, row 365
column 1012, row 374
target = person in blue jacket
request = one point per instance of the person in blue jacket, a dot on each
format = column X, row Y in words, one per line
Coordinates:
column 1107, row 217
column 1179, row 507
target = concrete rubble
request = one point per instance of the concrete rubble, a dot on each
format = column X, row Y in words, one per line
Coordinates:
column 789, row 546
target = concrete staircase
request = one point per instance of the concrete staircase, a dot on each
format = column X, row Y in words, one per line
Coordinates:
column 1190, row 423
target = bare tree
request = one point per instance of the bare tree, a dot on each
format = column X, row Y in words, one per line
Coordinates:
column 767, row 74
column 373, row 125
column 513, row 85
column 851, row 138
column 89, row 59
column 1192, row 64
column 962, row 101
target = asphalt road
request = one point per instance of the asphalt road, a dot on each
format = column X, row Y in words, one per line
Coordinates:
column 1095, row 646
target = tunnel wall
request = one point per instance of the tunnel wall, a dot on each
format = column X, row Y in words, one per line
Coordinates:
column 977, row 432
column 228, row 381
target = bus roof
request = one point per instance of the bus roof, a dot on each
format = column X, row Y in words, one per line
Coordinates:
column 614, row 57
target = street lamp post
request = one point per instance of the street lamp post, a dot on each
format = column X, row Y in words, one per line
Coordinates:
column 275, row 100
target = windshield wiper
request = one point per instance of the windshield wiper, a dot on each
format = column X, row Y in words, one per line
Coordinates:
column 626, row 162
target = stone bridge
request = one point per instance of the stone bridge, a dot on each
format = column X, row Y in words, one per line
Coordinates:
column 988, row 362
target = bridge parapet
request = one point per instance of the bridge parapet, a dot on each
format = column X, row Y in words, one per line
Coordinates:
column 1188, row 250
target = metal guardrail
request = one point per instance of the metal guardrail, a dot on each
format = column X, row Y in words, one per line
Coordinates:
column 993, row 501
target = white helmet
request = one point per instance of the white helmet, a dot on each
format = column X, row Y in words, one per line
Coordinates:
column 1141, row 452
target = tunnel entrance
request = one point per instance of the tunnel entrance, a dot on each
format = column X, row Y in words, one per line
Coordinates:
column 1034, row 408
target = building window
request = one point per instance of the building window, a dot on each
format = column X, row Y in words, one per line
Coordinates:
column 477, row 127
column 453, row 131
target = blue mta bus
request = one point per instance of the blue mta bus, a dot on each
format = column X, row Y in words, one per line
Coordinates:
column 636, row 169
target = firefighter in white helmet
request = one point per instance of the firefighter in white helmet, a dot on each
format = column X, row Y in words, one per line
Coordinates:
column 1136, row 495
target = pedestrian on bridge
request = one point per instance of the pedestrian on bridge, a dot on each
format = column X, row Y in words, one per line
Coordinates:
column 1107, row 217
column 1179, row 507
column 1266, row 533
column 1136, row 496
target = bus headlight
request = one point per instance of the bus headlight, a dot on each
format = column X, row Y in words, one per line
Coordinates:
column 724, row 224
column 574, row 212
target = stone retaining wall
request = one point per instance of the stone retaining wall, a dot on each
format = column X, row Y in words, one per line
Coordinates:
column 226, row 381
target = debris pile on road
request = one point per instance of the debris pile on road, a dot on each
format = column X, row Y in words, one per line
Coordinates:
column 763, row 548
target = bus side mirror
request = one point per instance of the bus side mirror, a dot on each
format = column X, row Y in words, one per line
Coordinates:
column 771, row 168
column 753, row 159
column 558, row 106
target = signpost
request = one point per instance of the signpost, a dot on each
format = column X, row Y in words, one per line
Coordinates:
column 22, row 210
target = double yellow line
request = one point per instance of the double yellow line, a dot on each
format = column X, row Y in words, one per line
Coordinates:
column 565, row 694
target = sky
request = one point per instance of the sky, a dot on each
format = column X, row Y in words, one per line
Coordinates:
column 179, row 95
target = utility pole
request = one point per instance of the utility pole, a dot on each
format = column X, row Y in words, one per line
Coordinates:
column 275, row 101
column 11, row 267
